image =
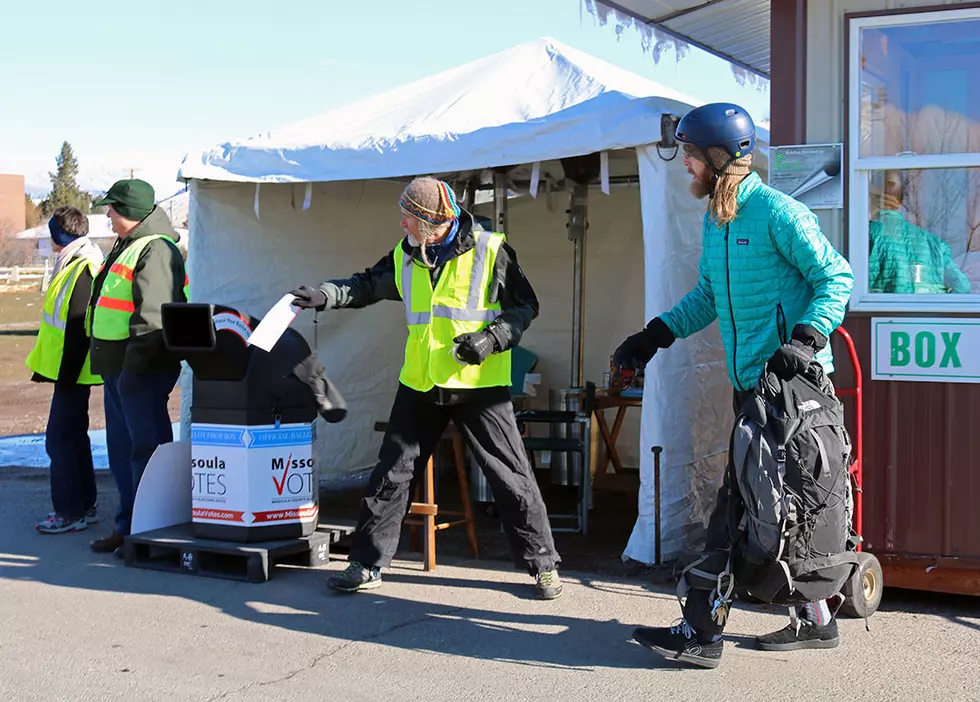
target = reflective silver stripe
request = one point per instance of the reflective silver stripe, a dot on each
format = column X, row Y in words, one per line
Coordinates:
column 53, row 322
column 458, row 315
column 54, row 319
column 406, row 278
column 479, row 268
column 472, row 313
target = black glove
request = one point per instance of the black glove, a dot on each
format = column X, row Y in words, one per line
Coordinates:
column 474, row 349
column 638, row 349
column 309, row 298
column 793, row 357
column 330, row 403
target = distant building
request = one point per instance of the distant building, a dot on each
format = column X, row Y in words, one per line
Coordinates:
column 13, row 210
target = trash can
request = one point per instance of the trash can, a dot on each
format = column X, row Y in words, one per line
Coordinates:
column 566, row 468
column 254, row 477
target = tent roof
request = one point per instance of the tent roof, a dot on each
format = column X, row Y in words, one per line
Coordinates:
column 735, row 30
column 537, row 101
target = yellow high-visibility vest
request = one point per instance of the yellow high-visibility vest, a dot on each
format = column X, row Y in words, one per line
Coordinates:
column 45, row 358
column 458, row 305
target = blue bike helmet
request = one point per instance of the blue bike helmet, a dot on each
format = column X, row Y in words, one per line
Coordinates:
column 719, row 124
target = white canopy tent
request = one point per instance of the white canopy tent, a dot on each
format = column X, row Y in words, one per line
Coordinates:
column 318, row 199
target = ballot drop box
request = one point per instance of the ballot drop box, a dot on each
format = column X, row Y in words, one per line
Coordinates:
column 253, row 474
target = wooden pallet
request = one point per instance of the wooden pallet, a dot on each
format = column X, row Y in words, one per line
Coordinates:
column 176, row 550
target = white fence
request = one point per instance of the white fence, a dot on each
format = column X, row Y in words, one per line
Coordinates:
column 18, row 275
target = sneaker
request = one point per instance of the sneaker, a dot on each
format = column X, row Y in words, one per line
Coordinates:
column 548, row 585
column 91, row 516
column 108, row 544
column 56, row 524
column 680, row 642
column 808, row 635
column 356, row 577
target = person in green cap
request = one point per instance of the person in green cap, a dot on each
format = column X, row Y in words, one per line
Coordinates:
column 143, row 271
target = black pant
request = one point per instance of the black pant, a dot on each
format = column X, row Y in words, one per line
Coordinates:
column 73, row 490
column 485, row 418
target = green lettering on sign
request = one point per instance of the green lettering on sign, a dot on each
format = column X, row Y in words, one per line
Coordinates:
column 950, row 354
column 925, row 350
column 900, row 348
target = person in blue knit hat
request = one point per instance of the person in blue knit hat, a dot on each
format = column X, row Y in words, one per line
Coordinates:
column 61, row 356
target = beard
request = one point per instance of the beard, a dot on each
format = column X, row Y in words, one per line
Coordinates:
column 701, row 187
column 421, row 246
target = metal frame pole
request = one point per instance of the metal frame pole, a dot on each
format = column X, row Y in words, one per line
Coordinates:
column 500, row 191
column 577, row 226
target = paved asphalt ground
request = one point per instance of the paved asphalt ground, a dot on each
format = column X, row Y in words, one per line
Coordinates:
column 78, row 626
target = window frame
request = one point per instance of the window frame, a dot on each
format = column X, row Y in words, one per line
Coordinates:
column 858, row 169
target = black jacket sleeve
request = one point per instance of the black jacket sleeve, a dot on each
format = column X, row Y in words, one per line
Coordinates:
column 519, row 304
column 76, row 341
column 362, row 289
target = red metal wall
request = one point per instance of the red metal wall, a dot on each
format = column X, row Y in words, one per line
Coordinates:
column 921, row 459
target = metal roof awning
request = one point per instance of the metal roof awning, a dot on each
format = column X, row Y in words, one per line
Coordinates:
column 735, row 30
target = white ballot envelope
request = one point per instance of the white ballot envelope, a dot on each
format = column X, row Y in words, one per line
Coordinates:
column 274, row 324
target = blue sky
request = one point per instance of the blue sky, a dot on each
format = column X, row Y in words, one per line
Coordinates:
column 142, row 86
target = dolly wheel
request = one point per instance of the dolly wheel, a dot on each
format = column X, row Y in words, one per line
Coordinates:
column 864, row 602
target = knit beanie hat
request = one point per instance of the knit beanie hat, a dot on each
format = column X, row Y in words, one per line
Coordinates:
column 718, row 157
column 430, row 200
column 66, row 225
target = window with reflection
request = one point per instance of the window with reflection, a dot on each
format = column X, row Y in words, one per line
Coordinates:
column 914, row 160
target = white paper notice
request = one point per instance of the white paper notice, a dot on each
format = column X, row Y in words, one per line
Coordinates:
column 274, row 324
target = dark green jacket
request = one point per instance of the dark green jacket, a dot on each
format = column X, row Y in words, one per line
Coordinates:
column 157, row 279
column 906, row 259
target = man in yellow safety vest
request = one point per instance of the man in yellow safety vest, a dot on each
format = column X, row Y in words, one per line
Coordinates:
column 143, row 271
column 61, row 356
column 467, row 303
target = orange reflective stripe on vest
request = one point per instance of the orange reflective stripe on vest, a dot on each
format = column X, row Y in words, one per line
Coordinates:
column 122, row 271
column 111, row 303
column 114, row 307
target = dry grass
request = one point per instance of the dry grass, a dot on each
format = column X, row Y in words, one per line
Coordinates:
column 24, row 404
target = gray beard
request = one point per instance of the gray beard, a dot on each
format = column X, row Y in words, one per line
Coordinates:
column 423, row 253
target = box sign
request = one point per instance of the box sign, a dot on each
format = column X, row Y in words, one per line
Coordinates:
column 927, row 350
column 253, row 476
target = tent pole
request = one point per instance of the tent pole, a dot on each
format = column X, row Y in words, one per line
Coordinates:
column 500, row 200
column 469, row 194
column 577, row 226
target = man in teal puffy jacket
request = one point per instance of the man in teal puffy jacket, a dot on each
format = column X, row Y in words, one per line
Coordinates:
column 778, row 288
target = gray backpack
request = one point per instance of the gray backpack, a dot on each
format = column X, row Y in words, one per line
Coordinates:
column 791, row 512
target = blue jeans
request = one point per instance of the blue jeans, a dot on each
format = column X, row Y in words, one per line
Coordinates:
column 136, row 422
column 73, row 490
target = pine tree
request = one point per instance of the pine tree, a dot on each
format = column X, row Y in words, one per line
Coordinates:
column 32, row 213
column 64, row 188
